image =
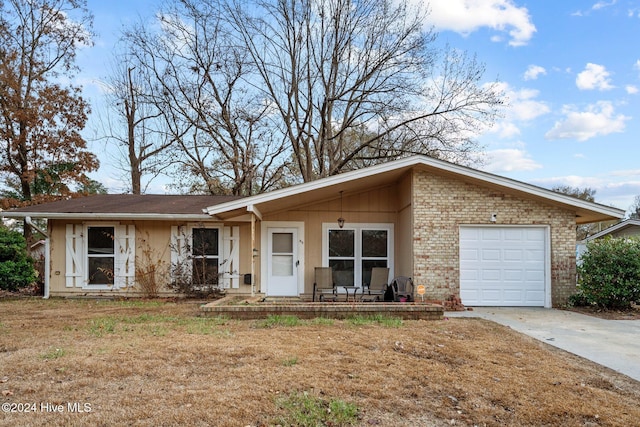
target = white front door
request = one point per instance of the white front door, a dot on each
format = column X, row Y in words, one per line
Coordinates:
column 282, row 261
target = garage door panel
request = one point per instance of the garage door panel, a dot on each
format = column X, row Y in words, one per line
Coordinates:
column 488, row 275
column 488, row 234
column 513, row 255
column 503, row 266
column 470, row 255
column 512, row 297
column 513, row 275
column 535, row 276
column 490, row 255
column 491, row 295
column 513, row 234
column 534, row 255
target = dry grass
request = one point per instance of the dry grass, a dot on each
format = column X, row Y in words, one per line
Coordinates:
column 161, row 364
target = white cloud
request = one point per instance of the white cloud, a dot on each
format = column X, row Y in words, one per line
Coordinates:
column 467, row 16
column 509, row 160
column 533, row 71
column 522, row 107
column 599, row 119
column 596, row 6
column 594, row 76
column 631, row 89
column 636, row 66
column 615, row 188
column 603, row 4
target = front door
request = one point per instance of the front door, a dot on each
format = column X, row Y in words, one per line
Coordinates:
column 283, row 262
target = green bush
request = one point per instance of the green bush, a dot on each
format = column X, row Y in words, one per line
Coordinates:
column 16, row 267
column 609, row 275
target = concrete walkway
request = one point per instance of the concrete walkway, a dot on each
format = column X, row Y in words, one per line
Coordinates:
column 611, row 343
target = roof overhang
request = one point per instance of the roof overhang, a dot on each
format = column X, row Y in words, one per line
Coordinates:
column 387, row 173
column 106, row 216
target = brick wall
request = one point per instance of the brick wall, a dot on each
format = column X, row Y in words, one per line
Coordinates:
column 442, row 204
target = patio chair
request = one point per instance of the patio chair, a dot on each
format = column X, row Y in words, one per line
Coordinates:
column 324, row 284
column 402, row 288
column 377, row 286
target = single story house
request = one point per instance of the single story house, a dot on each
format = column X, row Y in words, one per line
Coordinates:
column 458, row 231
column 626, row 228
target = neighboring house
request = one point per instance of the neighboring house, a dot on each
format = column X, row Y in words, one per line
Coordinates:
column 457, row 231
column 626, row 228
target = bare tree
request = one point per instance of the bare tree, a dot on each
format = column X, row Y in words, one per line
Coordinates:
column 258, row 93
column 635, row 208
column 138, row 127
column 359, row 82
column 222, row 128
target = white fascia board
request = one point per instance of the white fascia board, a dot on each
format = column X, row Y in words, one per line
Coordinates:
column 106, row 216
column 309, row 186
column 411, row 162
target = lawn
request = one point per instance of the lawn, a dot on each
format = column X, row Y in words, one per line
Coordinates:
column 148, row 363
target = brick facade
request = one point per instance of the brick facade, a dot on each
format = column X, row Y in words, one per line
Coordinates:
column 442, row 204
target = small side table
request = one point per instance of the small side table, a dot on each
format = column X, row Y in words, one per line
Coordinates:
column 355, row 291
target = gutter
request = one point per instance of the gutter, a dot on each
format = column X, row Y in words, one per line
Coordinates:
column 107, row 216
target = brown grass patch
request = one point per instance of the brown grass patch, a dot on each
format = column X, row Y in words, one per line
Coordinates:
column 161, row 364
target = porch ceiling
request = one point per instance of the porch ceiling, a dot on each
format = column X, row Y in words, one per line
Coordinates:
column 291, row 199
column 385, row 174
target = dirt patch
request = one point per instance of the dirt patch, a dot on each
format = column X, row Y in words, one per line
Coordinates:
column 632, row 313
column 160, row 363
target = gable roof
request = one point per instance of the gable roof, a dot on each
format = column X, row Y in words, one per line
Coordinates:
column 200, row 208
column 629, row 223
column 124, row 206
column 367, row 178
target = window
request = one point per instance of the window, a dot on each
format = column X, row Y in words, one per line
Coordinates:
column 352, row 252
column 101, row 255
column 205, row 256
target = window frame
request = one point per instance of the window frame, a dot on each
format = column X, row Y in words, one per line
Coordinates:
column 358, row 257
column 219, row 257
column 87, row 255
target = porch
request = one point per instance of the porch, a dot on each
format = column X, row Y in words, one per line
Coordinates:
column 257, row 308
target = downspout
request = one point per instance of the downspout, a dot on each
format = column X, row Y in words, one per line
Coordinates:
column 47, row 256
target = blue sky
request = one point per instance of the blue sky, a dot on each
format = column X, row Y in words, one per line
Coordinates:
column 570, row 70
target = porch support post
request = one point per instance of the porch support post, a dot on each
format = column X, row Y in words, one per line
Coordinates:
column 255, row 213
column 253, row 254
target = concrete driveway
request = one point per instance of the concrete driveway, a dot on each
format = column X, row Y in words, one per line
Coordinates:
column 611, row 343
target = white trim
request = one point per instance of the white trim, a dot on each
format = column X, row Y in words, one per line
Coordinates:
column 47, row 267
column 74, row 249
column 264, row 255
column 85, row 256
column 547, row 248
column 230, row 277
column 358, row 227
column 125, row 261
column 410, row 162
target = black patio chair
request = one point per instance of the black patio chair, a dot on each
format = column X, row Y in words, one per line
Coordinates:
column 402, row 289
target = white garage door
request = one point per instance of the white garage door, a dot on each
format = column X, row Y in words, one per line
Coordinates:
column 503, row 266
